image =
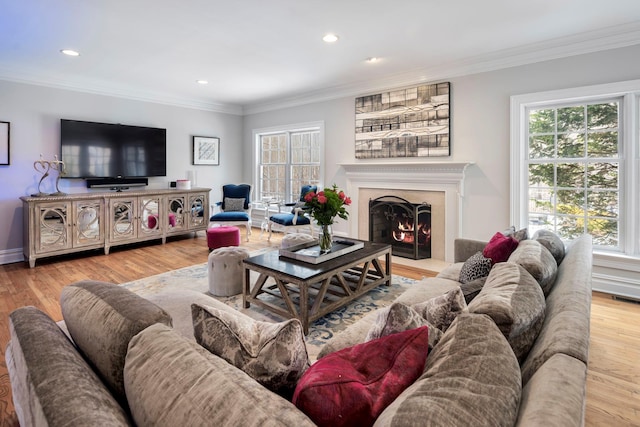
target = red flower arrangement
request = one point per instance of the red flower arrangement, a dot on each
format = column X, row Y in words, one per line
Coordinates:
column 325, row 205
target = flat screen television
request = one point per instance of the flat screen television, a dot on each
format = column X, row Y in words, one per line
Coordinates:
column 105, row 150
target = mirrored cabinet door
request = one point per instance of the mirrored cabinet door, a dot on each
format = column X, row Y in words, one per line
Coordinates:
column 122, row 221
column 52, row 227
column 149, row 217
column 88, row 227
column 176, row 213
column 198, row 211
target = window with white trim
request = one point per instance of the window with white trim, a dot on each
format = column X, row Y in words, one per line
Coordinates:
column 287, row 159
column 573, row 156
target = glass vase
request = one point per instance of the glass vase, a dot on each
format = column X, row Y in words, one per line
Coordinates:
column 325, row 238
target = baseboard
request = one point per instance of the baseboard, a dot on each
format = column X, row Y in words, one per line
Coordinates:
column 10, row 256
column 614, row 285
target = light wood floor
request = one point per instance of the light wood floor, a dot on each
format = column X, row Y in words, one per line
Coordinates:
column 613, row 383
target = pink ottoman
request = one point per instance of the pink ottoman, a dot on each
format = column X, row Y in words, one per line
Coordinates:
column 218, row 237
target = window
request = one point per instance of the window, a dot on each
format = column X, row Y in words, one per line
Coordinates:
column 287, row 159
column 573, row 164
column 572, row 158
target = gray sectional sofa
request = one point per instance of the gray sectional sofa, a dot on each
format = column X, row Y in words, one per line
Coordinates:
column 131, row 363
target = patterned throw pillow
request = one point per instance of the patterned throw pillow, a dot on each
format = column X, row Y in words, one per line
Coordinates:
column 399, row 317
column 475, row 267
column 352, row 386
column 442, row 310
column 274, row 354
column 499, row 248
column 233, row 205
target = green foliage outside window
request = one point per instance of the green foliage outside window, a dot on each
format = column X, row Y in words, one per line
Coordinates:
column 574, row 170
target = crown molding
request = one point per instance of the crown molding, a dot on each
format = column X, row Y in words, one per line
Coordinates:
column 120, row 91
column 583, row 43
column 579, row 44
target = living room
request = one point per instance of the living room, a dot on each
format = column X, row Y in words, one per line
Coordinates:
column 481, row 120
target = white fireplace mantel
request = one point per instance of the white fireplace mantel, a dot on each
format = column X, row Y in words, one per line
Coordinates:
column 447, row 177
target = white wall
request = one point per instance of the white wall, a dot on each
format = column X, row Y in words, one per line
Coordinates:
column 35, row 113
column 479, row 126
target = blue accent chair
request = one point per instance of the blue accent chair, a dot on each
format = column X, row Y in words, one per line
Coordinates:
column 235, row 207
column 296, row 219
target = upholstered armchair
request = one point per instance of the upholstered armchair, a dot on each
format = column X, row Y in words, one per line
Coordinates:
column 296, row 219
column 235, row 207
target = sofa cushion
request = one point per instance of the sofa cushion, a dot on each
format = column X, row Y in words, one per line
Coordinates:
column 515, row 302
column 471, row 378
column 538, row 261
column 274, row 354
column 566, row 323
column 197, row 388
column 555, row 395
column 354, row 385
column 499, row 247
column 52, row 384
column 442, row 310
column 399, row 317
column 552, row 242
column 102, row 318
column 475, row 267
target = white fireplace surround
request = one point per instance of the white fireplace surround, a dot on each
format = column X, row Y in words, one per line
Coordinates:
column 447, row 177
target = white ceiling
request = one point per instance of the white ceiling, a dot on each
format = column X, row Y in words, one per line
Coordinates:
column 261, row 53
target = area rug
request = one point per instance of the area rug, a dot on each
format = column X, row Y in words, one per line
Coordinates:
column 194, row 278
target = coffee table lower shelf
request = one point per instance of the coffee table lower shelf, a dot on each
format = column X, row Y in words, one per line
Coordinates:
column 309, row 292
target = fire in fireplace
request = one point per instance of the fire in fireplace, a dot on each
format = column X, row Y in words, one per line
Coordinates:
column 404, row 225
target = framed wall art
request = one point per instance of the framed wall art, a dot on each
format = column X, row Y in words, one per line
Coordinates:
column 411, row 122
column 5, row 136
column 206, row 150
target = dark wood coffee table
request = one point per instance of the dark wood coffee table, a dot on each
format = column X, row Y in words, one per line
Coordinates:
column 309, row 291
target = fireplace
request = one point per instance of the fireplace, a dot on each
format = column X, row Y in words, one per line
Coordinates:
column 404, row 225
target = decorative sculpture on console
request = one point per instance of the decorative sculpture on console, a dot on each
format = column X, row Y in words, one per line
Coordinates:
column 41, row 166
column 44, row 166
column 58, row 165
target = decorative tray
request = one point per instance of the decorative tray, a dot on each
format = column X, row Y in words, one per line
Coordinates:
column 310, row 251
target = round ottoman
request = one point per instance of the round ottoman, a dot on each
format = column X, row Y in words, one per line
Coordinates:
column 294, row 239
column 225, row 235
column 224, row 268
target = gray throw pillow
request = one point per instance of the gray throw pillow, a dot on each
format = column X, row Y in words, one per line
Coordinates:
column 475, row 267
column 274, row 354
column 399, row 317
column 233, row 205
column 442, row 310
column 102, row 318
column 538, row 261
column 552, row 242
column 472, row 378
column 515, row 302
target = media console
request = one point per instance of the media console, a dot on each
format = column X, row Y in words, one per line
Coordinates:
column 57, row 225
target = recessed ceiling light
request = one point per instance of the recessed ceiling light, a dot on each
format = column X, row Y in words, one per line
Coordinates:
column 70, row 52
column 202, row 82
column 372, row 59
column 330, row 38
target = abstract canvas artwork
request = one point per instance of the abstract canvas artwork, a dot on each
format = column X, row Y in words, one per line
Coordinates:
column 411, row 122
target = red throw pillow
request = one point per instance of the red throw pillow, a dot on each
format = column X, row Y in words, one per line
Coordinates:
column 499, row 248
column 352, row 386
